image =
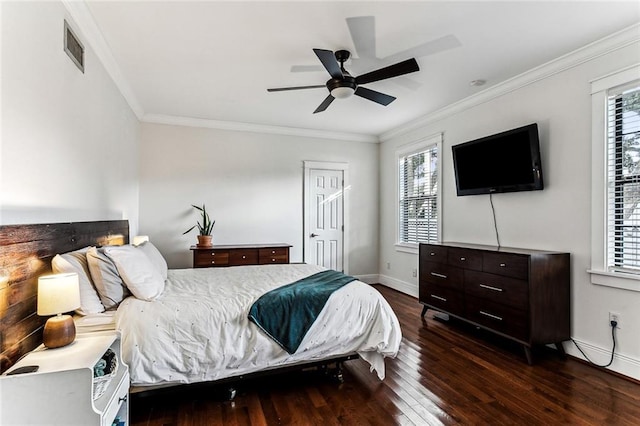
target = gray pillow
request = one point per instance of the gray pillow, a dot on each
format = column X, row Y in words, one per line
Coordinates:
column 109, row 284
column 155, row 257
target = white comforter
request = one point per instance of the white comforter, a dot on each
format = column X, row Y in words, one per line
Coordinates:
column 198, row 329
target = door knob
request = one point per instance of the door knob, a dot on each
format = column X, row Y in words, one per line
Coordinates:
column 314, row 235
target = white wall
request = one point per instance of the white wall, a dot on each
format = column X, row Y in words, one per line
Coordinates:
column 557, row 218
column 69, row 148
column 253, row 186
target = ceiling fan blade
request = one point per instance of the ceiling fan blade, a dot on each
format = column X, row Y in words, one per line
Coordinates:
column 429, row 48
column 363, row 34
column 282, row 89
column 401, row 68
column 327, row 101
column 329, row 61
column 374, row 96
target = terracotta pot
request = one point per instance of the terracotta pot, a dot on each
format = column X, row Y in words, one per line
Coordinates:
column 204, row 241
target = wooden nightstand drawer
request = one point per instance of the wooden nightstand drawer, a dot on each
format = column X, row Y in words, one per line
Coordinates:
column 441, row 274
column 442, row 298
column 273, row 255
column 243, row 257
column 207, row 258
column 511, row 265
column 505, row 290
column 497, row 317
column 433, row 253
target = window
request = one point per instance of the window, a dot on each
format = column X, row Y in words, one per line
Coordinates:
column 418, row 189
column 615, row 183
column 623, row 183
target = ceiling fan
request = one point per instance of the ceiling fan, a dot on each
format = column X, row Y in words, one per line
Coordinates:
column 342, row 84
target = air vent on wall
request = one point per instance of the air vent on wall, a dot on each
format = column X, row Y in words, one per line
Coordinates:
column 73, row 47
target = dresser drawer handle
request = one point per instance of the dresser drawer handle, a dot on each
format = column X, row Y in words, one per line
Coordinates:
column 439, row 298
column 490, row 315
column 435, row 274
column 213, row 254
column 273, row 252
column 488, row 287
column 432, row 253
column 244, row 257
column 462, row 259
column 273, row 260
column 213, row 261
column 502, row 265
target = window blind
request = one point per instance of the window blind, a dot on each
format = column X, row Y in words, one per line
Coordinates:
column 623, row 178
column 419, row 196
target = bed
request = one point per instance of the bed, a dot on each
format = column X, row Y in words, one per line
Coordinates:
column 195, row 328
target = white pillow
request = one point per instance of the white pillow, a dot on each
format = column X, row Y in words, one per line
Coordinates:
column 137, row 271
column 109, row 284
column 155, row 257
column 76, row 261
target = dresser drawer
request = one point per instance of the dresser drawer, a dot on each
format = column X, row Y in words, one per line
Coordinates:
column 206, row 258
column 510, row 265
column 432, row 253
column 465, row 258
column 442, row 275
column 442, row 298
column 498, row 288
column 495, row 316
column 243, row 257
column 273, row 255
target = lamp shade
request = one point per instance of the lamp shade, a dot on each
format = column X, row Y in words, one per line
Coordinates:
column 139, row 239
column 58, row 293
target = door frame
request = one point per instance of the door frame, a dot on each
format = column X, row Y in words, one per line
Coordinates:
column 346, row 189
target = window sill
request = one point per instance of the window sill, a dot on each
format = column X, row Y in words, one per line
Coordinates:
column 620, row 280
column 407, row 248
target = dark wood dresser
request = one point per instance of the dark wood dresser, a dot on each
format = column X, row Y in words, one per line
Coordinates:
column 240, row 254
column 520, row 294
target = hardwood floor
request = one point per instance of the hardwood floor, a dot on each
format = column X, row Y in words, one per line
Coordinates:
column 444, row 374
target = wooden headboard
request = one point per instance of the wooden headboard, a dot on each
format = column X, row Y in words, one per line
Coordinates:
column 25, row 254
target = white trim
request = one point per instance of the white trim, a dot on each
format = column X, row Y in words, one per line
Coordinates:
column 614, row 79
column 621, row 280
column 408, row 149
column 256, row 128
column 369, row 278
column 402, row 286
column 346, row 190
column 584, row 54
column 622, row 364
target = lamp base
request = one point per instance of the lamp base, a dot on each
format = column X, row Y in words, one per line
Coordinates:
column 59, row 331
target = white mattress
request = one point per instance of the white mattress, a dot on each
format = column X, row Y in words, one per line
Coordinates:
column 95, row 322
column 198, row 329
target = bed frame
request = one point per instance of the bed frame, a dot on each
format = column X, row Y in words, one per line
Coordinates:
column 25, row 254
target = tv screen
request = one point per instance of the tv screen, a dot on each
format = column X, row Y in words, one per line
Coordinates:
column 505, row 162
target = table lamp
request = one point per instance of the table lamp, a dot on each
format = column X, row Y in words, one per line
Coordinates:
column 57, row 294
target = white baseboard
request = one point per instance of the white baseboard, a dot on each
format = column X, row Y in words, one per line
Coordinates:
column 369, row 278
column 401, row 286
column 622, row 364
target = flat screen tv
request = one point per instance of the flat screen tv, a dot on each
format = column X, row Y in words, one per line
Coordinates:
column 504, row 162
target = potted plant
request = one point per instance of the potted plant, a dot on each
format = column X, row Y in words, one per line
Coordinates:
column 205, row 227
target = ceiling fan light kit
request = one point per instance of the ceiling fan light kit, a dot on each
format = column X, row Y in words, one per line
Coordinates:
column 343, row 85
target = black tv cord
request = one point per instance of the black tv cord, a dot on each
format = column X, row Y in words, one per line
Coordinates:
column 614, row 324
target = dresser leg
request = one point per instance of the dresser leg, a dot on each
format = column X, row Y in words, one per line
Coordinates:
column 527, row 353
column 424, row 311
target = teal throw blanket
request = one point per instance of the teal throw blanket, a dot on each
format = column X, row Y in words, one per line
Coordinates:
column 286, row 313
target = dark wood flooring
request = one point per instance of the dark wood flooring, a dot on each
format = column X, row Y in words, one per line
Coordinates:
column 445, row 373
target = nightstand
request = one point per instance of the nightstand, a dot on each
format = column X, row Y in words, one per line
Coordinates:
column 240, row 254
column 61, row 392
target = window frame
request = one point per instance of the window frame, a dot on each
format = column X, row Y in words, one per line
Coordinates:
column 599, row 271
column 406, row 150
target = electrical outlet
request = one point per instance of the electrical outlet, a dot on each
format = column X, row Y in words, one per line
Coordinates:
column 388, row 265
column 614, row 317
column 415, row 273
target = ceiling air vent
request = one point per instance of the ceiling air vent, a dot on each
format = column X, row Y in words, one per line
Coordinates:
column 73, row 47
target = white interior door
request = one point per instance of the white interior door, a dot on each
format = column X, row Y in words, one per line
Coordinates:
column 324, row 218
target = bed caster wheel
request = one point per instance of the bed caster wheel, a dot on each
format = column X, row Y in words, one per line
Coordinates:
column 231, row 394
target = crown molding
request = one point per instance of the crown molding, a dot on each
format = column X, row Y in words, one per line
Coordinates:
column 584, row 54
column 256, row 128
